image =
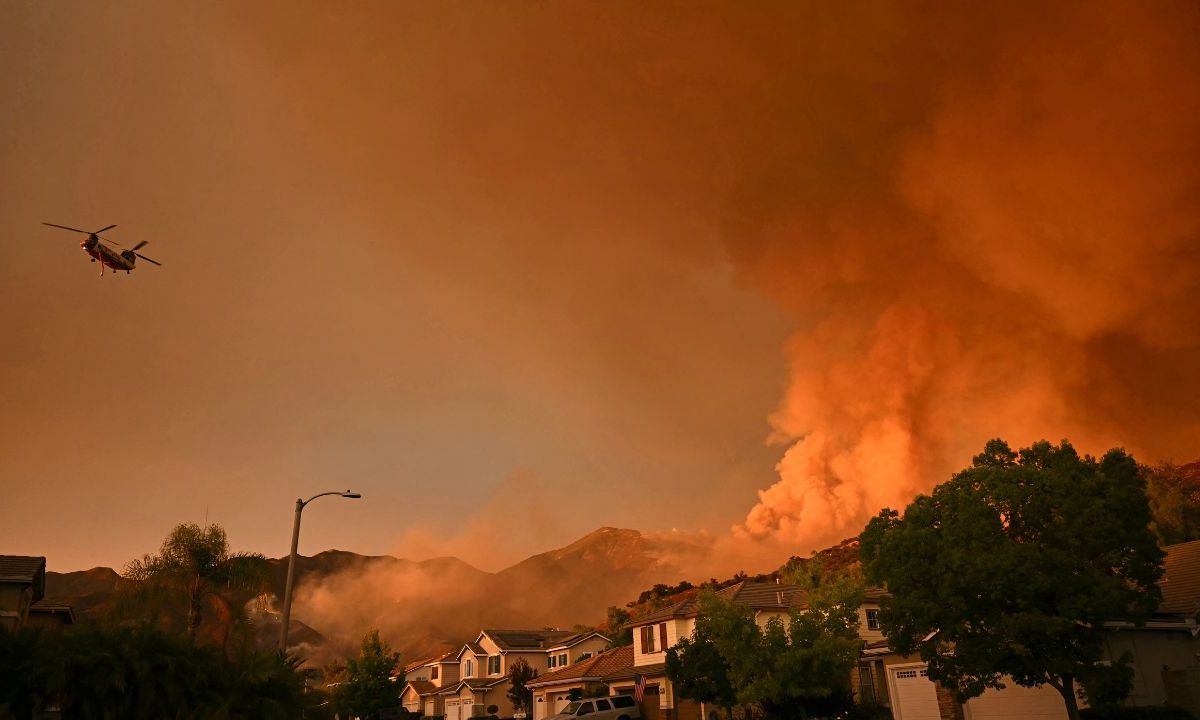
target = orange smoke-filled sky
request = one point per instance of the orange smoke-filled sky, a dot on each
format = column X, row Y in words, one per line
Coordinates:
column 514, row 271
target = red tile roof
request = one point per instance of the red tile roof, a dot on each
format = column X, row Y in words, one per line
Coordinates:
column 595, row 667
column 750, row 593
column 649, row 671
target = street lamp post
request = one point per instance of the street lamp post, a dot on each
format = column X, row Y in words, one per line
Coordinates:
column 287, row 588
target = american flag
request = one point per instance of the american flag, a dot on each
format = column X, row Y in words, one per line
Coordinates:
column 639, row 687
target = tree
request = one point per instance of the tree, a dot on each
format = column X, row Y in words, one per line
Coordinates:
column 1012, row 567
column 614, row 627
column 144, row 672
column 194, row 568
column 519, row 675
column 1174, row 493
column 699, row 672
column 793, row 668
column 369, row 687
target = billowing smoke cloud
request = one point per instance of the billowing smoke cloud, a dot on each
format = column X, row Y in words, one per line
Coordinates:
column 1009, row 245
column 982, row 219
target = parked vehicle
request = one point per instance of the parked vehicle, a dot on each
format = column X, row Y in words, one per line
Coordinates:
column 617, row 707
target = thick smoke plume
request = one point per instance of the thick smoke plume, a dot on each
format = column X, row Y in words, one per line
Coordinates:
column 997, row 235
column 982, row 217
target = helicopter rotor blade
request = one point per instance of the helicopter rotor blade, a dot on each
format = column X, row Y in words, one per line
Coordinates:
column 148, row 259
column 111, row 242
column 110, row 227
column 64, row 227
column 142, row 244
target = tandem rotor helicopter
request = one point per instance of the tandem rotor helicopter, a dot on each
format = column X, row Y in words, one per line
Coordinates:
column 98, row 248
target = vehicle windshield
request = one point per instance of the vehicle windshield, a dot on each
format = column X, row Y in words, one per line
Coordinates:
column 572, row 708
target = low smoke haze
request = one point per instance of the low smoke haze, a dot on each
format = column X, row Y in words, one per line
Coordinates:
column 736, row 273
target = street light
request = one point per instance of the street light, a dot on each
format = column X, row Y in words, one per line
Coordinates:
column 287, row 588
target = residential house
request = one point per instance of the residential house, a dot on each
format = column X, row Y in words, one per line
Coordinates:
column 588, row 676
column 424, row 680
column 22, row 583
column 1165, row 652
column 484, row 665
column 655, row 632
column 51, row 613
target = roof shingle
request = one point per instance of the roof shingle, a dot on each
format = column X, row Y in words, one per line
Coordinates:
column 596, row 667
column 1181, row 580
column 25, row 569
column 510, row 640
column 759, row 595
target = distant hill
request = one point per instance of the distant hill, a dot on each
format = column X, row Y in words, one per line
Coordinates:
column 423, row 607
column 86, row 590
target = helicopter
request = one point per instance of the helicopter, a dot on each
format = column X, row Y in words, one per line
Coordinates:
column 98, row 248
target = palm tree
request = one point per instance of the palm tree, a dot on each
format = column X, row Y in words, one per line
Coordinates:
column 194, row 568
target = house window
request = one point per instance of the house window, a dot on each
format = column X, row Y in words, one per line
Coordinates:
column 648, row 638
column 552, row 662
column 866, row 684
column 872, row 619
column 433, row 672
column 469, row 669
column 584, row 656
column 562, row 660
column 493, row 665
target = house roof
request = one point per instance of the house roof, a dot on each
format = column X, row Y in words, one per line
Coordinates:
column 517, row 640
column 594, row 668
column 416, row 664
column 759, row 595
column 629, row 673
column 874, row 593
column 450, row 656
column 1181, row 580
column 422, row 687
column 475, row 649
column 473, row 683
column 25, row 569
column 577, row 638
column 54, row 607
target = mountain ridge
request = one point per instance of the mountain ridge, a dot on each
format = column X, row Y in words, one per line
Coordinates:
column 424, row 606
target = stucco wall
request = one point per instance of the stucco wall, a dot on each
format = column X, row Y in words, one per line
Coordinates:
column 1153, row 652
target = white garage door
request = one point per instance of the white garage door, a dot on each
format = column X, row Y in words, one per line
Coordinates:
column 914, row 697
column 539, row 708
column 429, row 705
column 452, row 710
column 1014, row 701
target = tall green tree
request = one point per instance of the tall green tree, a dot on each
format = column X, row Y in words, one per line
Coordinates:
column 195, row 572
column 790, row 668
column 520, row 674
column 1174, row 493
column 615, row 626
column 1012, row 567
column 699, row 672
column 369, row 687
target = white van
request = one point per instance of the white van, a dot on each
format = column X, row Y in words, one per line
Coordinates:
column 617, row 707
